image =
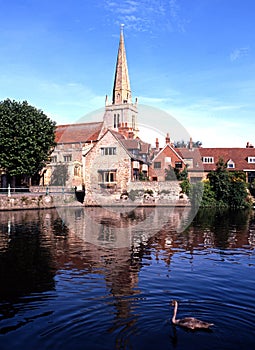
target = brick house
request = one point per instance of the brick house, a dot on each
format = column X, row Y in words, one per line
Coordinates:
column 202, row 160
column 162, row 159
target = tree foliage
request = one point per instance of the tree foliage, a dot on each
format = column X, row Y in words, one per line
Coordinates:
column 222, row 188
column 59, row 175
column 173, row 174
column 27, row 138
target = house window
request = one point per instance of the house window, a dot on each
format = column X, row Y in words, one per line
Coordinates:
column 251, row 159
column 157, row 165
column 106, row 177
column 178, row 165
column 68, row 158
column 54, row 159
column 108, row 151
column 167, row 159
column 208, row 160
column 230, row 164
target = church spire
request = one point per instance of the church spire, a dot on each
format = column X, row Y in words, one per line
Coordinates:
column 121, row 87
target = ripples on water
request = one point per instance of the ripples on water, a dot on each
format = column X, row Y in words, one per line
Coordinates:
column 65, row 284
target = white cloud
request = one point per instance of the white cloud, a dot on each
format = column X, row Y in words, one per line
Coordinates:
column 145, row 15
column 238, row 53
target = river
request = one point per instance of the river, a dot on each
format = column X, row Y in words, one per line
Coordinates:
column 96, row 278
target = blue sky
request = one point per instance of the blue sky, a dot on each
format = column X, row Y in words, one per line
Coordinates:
column 193, row 59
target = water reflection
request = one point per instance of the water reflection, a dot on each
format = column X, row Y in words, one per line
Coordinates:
column 36, row 244
column 104, row 268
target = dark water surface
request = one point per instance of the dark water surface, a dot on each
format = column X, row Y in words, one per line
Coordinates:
column 95, row 279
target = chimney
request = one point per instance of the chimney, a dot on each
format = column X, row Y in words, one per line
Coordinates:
column 190, row 143
column 167, row 138
column 249, row 145
column 157, row 143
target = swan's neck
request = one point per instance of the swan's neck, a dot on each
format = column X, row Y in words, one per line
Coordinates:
column 175, row 312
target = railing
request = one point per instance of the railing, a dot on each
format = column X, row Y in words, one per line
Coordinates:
column 33, row 190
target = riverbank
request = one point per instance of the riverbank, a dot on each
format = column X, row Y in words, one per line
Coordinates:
column 36, row 201
column 26, row 201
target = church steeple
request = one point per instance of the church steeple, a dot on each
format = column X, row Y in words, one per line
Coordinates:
column 121, row 88
column 121, row 114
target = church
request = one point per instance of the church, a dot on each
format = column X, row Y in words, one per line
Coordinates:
column 108, row 156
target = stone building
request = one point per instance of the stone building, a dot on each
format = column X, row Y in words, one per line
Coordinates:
column 106, row 156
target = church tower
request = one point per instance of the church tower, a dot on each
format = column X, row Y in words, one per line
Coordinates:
column 121, row 114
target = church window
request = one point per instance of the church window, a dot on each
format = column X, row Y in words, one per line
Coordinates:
column 68, row 158
column 77, row 170
column 115, row 122
column 133, row 121
column 54, row 159
column 118, row 120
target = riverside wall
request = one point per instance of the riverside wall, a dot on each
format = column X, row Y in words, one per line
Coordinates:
column 36, row 201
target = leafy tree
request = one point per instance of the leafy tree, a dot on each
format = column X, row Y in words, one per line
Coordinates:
column 173, row 174
column 59, row 175
column 219, row 181
column 27, row 138
column 170, row 174
column 229, row 187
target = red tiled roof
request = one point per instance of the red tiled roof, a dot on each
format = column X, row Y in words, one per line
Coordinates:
column 239, row 156
column 72, row 133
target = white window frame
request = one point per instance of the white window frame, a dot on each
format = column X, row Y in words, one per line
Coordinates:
column 208, row 160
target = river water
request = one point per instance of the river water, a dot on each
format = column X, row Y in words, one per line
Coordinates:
column 92, row 278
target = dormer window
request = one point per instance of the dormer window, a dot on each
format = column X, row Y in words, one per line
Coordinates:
column 230, row 164
column 251, row 159
column 208, row 160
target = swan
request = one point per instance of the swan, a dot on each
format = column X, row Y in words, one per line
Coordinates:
column 188, row 322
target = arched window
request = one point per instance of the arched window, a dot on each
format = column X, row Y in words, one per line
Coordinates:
column 77, row 170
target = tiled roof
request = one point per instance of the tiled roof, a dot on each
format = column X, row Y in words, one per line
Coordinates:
column 72, row 133
column 239, row 156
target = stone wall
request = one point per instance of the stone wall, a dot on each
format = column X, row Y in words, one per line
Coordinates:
column 28, row 201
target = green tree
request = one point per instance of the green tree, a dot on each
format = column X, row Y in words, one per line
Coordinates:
column 59, row 175
column 229, row 187
column 219, row 181
column 27, row 138
column 173, row 174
